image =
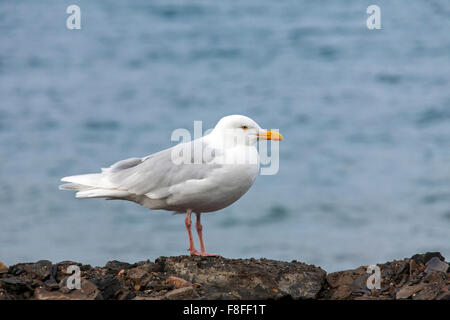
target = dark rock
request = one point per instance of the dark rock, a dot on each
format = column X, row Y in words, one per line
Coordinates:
column 51, row 284
column 41, row 269
column 16, row 270
column 14, row 285
column 421, row 277
column 85, row 267
column 116, row 266
column 4, row 295
column 424, row 258
column 444, row 294
column 109, row 286
column 250, row 279
column 156, row 285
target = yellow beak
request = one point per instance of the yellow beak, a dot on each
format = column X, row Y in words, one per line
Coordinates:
column 270, row 135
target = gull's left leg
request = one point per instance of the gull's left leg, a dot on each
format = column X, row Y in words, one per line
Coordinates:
column 188, row 223
column 199, row 228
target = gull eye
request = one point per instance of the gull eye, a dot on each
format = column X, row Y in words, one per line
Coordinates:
column 244, row 127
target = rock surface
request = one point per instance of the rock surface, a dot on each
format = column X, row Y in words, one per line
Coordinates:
column 423, row 276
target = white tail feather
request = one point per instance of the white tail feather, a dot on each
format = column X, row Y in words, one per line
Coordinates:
column 97, row 180
column 102, row 193
column 95, row 185
column 73, row 186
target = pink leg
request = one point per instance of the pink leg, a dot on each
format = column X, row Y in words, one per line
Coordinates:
column 199, row 228
column 188, row 223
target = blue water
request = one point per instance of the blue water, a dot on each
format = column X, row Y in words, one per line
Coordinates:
column 365, row 165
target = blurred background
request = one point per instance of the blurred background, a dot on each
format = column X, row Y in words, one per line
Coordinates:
column 364, row 168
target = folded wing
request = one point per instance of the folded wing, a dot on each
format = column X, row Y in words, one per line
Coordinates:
column 150, row 178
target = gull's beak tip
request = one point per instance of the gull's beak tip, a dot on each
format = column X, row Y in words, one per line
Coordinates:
column 270, row 135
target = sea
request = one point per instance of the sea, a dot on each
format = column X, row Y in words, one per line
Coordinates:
column 364, row 167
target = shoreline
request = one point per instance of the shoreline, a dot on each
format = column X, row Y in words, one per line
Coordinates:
column 421, row 277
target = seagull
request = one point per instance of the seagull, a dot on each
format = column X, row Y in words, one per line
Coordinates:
column 199, row 176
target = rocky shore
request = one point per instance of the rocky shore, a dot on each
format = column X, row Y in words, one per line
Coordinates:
column 421, row 277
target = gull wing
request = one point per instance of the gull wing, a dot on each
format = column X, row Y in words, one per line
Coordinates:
column 155, row 174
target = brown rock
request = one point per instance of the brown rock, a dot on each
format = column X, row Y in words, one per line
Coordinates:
column 178, row 282
column 414, row 268
column 408, row 291
column 427, row 293
column 249, row 278
column 43, row 294
column 88, row 291
column 137, row 274
column 342, row 292
column 186, row 277
column 147, row 298
column 444, row 294
column 182, row 293
column 347, row 277
column 41, row 269
column 3, row 268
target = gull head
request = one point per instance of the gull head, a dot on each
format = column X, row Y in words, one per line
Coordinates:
column 237, row 130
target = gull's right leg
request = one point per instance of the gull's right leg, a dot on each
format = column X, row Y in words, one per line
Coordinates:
column 200, row 237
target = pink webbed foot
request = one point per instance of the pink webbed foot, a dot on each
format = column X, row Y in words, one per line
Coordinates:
column 191, row 249
column 202, row 254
